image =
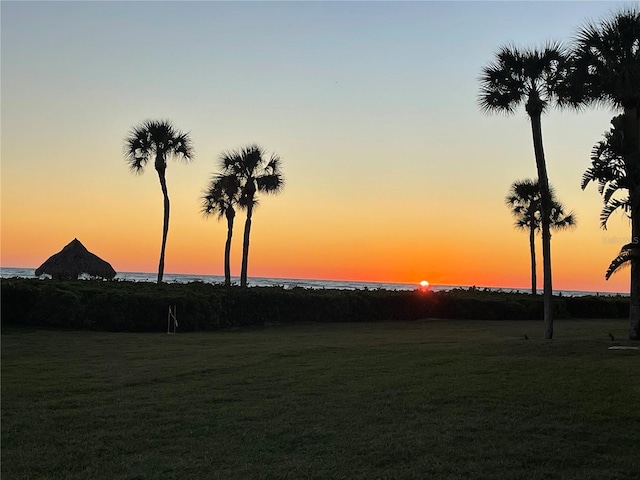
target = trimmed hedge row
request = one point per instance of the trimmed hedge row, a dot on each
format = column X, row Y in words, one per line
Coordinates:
column 143, row 307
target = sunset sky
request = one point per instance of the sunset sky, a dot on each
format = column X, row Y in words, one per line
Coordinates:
column 393, row 173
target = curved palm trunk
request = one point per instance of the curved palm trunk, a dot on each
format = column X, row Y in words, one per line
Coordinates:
column 230, row 213
column 545, row 209
column 532, row 247
column 165, row 224
column 632, row 164
column 634, row 290
column 245, row 246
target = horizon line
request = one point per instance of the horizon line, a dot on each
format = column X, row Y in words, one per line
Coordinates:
column 417, row 284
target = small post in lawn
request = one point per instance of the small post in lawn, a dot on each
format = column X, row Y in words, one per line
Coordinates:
column 172, row 319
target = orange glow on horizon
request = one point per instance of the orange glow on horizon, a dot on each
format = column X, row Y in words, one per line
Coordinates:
column 294, row 239
column 269, row 260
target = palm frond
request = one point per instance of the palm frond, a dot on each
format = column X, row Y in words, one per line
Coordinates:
column 608, row 168
column 182, row 146
column 152, row 137
column 211, row 205
column 271, row 183
column 588, row 176
column 501, row 87
column 621, row 261
column 607, row 164
column 606, row 61
column 254, row 173
column 544, row 68
column 613, row 205
column 612, row 187
column 564, row 221
column 559, row 219
column 522, row 75
column 628, row 253
column 252, row 158
column 495, row 101
column 231, row 162
column 137, row 148
column 524, row 200
column 221, row 195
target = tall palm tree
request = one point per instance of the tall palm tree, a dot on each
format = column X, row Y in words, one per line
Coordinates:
column 157, row 139
column 255, row 174
column 605, row 70
column 220, row 198
column 524, row 201
column 529, row 77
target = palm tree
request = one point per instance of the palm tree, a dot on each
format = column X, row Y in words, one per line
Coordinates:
column 524, row 201
column 608, row 170
column 220, row 197
column 157, row 139
column 529, row 77
column 255, row 174
column 605, row 70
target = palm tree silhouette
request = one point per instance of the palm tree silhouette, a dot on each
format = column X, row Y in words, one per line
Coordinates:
column 219, row 198
column 604, row 69
column 608, row 170
column 524, row 201
column 529, row 77
column 255, row 174
column 158, row 139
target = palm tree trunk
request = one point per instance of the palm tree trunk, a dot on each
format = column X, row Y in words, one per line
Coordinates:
column 545, row 208
column 634, row 290
column 631, row 147
column 230, row 213
column 245, row 246
column 165, row 225
column 532, row 246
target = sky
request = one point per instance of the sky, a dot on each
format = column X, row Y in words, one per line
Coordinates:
column 393, row 173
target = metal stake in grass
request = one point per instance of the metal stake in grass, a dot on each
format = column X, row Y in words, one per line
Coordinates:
column 172, row 319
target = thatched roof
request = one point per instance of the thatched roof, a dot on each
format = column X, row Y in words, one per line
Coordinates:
column 73, row 260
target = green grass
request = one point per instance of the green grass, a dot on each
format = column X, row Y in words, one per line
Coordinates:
column 429, row 399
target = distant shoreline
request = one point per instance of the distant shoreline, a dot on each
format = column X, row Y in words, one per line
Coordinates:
column 287, row 283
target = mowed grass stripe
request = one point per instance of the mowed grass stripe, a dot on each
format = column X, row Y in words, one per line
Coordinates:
column 439, row 399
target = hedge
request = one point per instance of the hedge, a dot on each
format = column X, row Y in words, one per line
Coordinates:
column 143, row 307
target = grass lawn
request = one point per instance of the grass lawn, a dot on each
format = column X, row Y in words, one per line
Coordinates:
column 429, row 399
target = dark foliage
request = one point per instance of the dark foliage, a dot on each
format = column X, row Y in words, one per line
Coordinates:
column 143, row 307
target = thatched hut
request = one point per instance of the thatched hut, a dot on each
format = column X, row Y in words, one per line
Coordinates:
column 74, row 260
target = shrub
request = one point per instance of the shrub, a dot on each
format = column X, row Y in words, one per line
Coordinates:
column 143, row 307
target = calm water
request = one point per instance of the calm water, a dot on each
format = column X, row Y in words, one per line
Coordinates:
column 285, row 282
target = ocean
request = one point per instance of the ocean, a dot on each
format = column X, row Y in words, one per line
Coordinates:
column 288, row 283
